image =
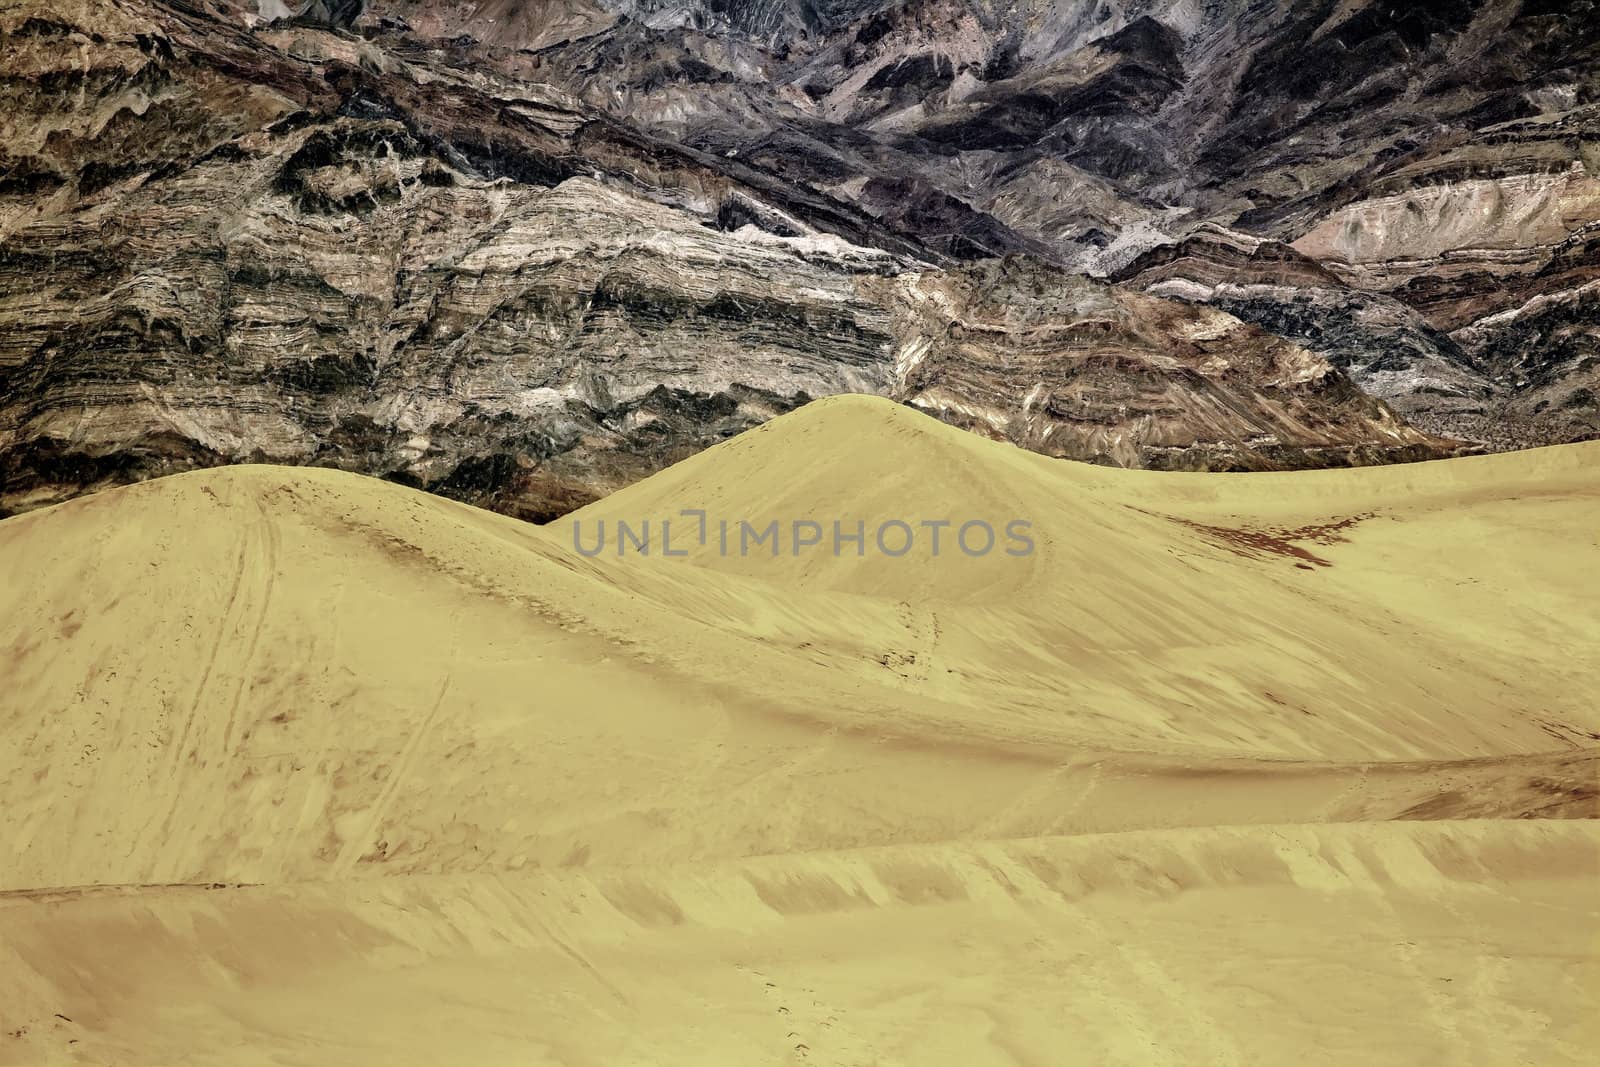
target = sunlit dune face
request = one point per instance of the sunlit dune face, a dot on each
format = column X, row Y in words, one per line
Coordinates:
column 303, row 767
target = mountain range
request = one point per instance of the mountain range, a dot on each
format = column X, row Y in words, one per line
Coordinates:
column 526, row 253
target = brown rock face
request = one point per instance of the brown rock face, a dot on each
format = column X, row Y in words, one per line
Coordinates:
column 1437, row 162
column 1070, row 367
column 1389, row 348
column 223, row 244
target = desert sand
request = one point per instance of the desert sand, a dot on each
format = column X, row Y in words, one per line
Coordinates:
column 301, row 767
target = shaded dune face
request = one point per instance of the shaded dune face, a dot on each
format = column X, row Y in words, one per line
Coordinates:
column 301, row 744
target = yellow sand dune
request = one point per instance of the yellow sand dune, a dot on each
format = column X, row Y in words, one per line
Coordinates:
column 1421, row 943
column 474, row 795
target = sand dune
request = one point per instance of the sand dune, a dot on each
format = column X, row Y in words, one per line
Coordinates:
column 1429, row 943
column 303, row 767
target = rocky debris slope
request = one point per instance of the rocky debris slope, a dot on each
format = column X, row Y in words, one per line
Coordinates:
column 224, row 243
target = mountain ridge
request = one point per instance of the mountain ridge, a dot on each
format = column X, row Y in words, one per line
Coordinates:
column 271, row 252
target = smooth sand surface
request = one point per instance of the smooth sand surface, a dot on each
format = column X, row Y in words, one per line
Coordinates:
column 304, row 767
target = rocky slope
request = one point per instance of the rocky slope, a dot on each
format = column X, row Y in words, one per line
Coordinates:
column 1067, row 366
column 1440, row 162
column 226, row 240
